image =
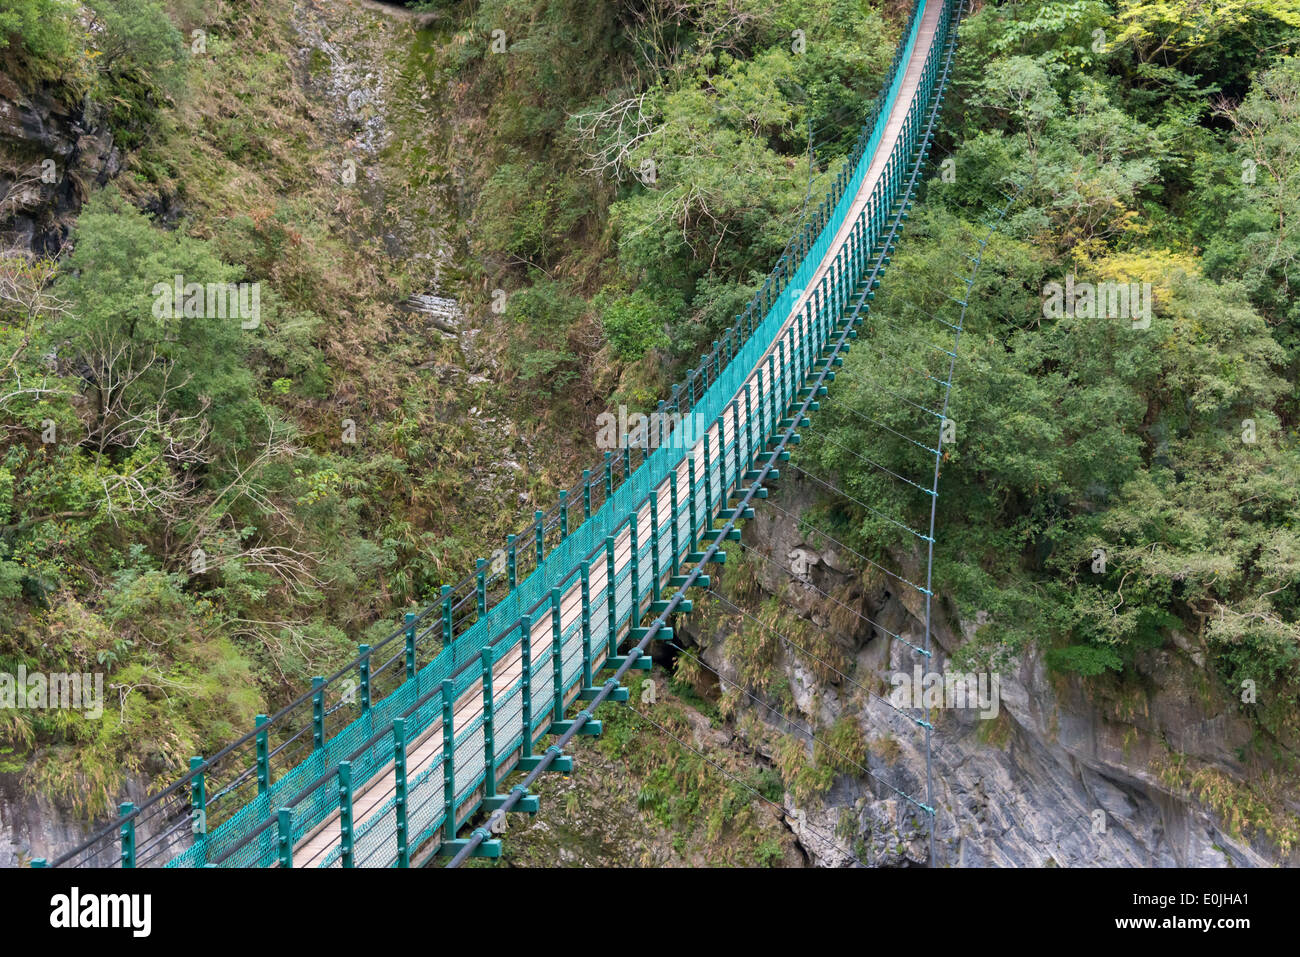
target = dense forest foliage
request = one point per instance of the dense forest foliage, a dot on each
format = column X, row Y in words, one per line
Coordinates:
column 1109, row 483
column 197, row 529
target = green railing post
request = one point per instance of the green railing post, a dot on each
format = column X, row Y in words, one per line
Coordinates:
column 585, row 571
column 823, row 311
column 586, row 493
column 263, row 755
column 654, row 541
column 708, row 479
column 410, row 644
column 807, row 339
column 673, row 505
column 722, row 455
column 784, row 376
column 611, row 597
column 796, row 358
column 557, row 655
column 772, row 417
column 318, row 712
column 198, row 805
column 126, row 834
column 511, row 570
column 364, row 652
column 816, row 329
column 489, row 725
column 448, row 761
column 588, row 689
column 609, row 475
column 690, row 470
column 634, row 560
column 345, row 813
column 399, row 792
column 749, row 429
column 627, row 462
column 447, row 625
column 736, row 434
column 843, row 270
column 564, row 514
column 285, row 822
column 539, row 519
column 480, row 585
column 526, row 682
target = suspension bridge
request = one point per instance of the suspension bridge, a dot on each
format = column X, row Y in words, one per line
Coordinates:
column 452, row 717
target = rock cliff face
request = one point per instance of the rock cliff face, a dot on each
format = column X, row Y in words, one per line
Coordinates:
column 1063, row 775
column 32, row 826
column 51, row 156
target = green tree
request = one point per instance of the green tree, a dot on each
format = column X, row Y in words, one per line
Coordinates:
column 634, row 324
column 41, row 28
column 148, row 376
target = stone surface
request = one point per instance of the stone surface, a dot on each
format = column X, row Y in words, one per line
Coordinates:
column 1055, row 779
column 51, row 155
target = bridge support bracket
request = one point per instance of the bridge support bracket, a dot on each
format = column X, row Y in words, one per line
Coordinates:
column 488, row 847
column 677, row 581
column 642, row 663
column 728, row 513
column 694, row 558
column 659, row 607
column 589, row 693
column 591, row 726
column 562, row 763
column 528, row 804
column 665, row 633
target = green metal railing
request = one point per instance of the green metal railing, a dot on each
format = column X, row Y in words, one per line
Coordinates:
column 468, row 676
